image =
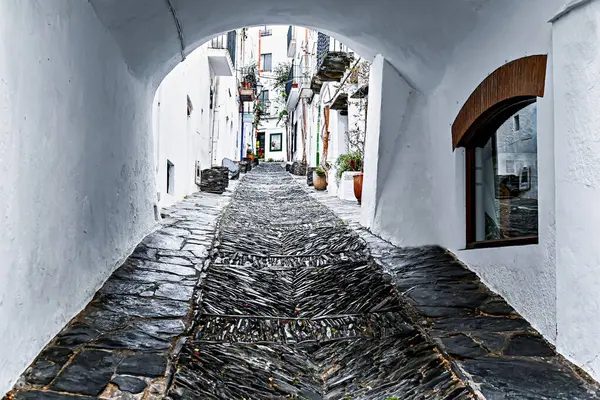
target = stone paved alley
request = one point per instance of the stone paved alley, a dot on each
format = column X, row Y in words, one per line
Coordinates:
column 292, row 301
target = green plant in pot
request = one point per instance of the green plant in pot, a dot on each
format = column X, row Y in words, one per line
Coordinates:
column 352, row 162
column 320, row 181
column 347, row 163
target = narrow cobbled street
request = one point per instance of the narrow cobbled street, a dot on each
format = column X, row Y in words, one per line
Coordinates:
column 265, row 293
column 292, row 307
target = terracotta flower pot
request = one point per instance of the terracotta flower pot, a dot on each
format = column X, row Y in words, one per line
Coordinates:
column 358, row 182
column 320, row 182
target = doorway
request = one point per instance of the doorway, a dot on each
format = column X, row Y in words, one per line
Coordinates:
column 260, row 145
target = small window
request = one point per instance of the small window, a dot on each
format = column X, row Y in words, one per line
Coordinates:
column 276, row 142
column 264, row 100
column 266, row 62
column 502, row 192
column 264, row 96
column 170, row 177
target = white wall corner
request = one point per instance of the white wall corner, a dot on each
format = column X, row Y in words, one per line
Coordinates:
column 567, row 8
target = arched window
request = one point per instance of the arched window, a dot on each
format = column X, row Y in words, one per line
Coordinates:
column 498, row 128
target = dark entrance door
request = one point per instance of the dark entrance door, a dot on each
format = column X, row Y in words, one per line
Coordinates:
column 260, row 145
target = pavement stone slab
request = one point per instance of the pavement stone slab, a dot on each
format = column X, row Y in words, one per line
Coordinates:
column 121, row 344
column 275, row 291
column 494, row 351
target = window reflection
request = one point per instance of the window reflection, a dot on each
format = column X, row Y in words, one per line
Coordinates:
column 506, row 180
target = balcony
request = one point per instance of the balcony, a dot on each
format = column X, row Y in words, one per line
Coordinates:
column 221, row 54
column 291, row 41
column 246, row 93
column 333, row 59
column 248, row 82
column 361, row 93
column 341, row 103
column 298, row 86
column 292, row 92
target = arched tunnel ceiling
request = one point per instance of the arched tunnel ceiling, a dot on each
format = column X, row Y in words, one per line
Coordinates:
column 416, row 36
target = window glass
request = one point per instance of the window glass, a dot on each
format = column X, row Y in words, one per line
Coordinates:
column 265, row 62
column 506, row 180
column 264, row 96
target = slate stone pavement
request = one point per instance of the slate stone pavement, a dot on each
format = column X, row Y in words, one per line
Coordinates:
column 123, row 343
column 490, row 346
column 276, row 292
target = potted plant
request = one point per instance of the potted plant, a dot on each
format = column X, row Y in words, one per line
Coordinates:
column 358, row 183
column 352, row 162
column 320, row 182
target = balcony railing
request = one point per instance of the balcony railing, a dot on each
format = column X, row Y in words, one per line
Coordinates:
column 227, row 42
column 333, row 58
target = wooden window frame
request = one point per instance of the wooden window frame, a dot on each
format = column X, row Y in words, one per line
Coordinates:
column 493, row 121
column 505, row 92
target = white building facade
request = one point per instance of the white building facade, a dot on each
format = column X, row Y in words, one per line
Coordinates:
column 332, row 109
column 196, row 118
column 266, row 49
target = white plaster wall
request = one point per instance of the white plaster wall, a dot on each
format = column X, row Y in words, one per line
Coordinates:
column 77, row 189
column 422, row 199
column 269, row 127
column 392, row 104
column 577, row 72
column 181, row 139
column 184, row 140
column 226, row 133
column 276, row 45
column 525, row 276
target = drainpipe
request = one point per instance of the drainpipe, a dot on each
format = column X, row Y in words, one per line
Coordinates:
column 242, row 139
column 212, row 135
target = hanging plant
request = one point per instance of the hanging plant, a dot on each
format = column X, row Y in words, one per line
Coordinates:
column 283, row 115
column 251, row 75
column 281, row 76
column 260, row 113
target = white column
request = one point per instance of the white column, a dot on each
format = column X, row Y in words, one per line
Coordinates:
column 576, row 53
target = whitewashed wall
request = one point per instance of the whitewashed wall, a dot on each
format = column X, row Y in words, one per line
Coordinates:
column 207, row 135
column 576, row 52
column 226, row 133
column 77, row 190
column 270, row 127
column 180, row 139
column 420, row 185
